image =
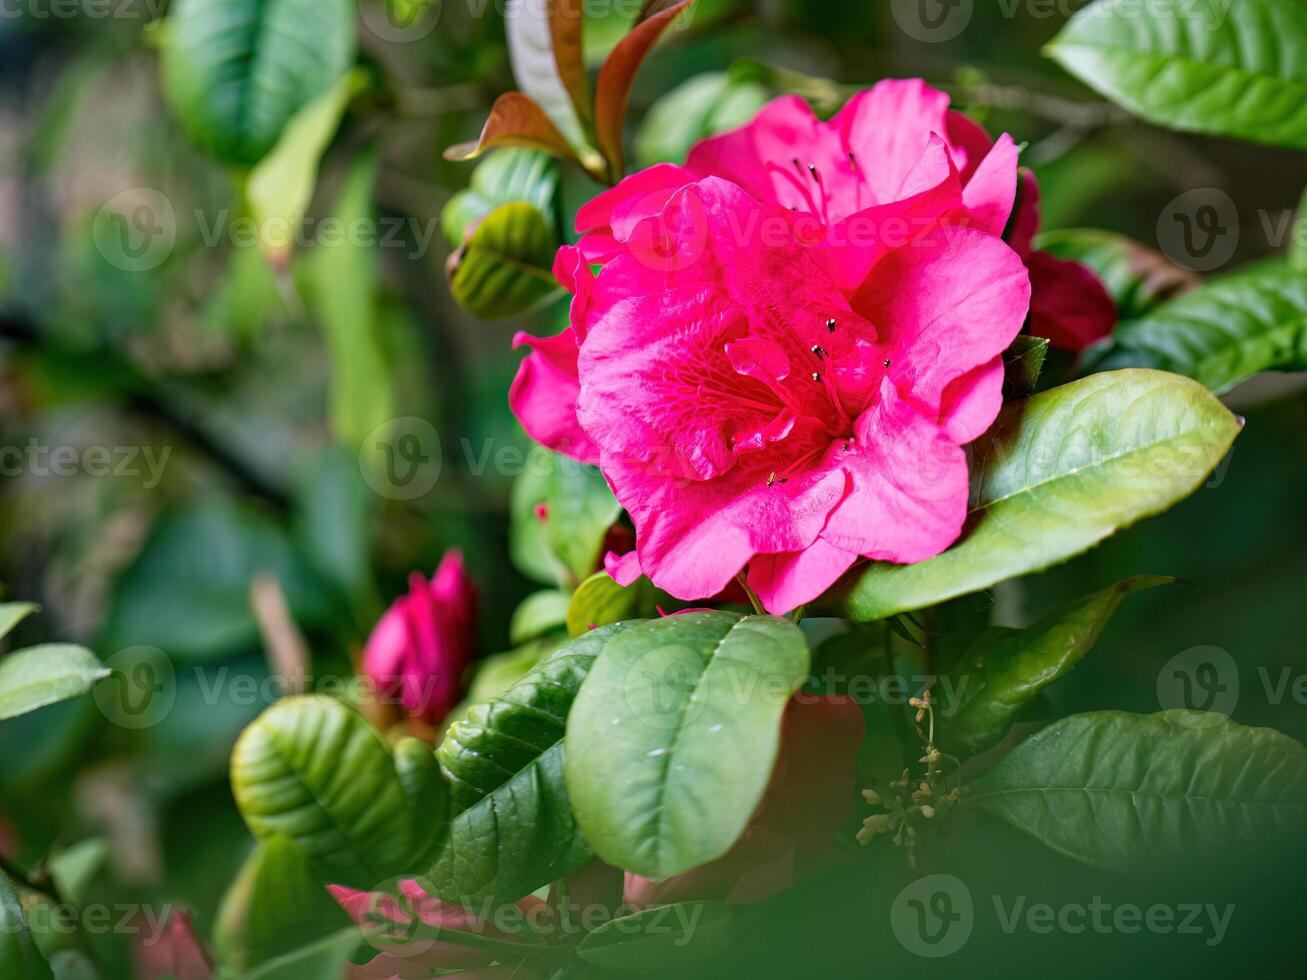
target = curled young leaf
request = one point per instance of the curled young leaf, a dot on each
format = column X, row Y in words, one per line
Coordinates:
column 516, row 120
column 617, row 76
column 1004, row 670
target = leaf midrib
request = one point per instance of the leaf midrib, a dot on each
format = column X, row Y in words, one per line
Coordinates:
column 1124, row 791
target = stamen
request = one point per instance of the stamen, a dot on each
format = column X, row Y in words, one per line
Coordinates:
column 812, row 169
column 853, row 161
column 819, row 350
column 771, row 480
column 816, row 376
column 831, row 324
column 887, row 362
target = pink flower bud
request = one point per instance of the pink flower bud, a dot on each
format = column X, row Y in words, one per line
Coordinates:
column 419, row 649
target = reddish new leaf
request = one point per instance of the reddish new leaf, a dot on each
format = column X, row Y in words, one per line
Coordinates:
column 618, row 75
column 516, row 120
column 565, row 19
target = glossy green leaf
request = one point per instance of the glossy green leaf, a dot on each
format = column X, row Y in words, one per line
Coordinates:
column 599, row 601
column 19, row 957
column 1056, row 475
column 281, row 185
column 43, row 675
column 662, row 938
column 674, row 735
column 986, row 691
column 560, row 513
column 1128, row 792
column 504, row 176
column 13, row 613
column 339, row 283
column 276, row 905
column 1209, row 66
column 1023, row 363
column 513, row 829
column 237, row 71
column 539, row 613
column 313, row 771
column 505, row 266
column 1229, row 330
column 1137, row 278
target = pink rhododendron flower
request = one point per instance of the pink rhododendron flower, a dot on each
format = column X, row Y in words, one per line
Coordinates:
column 809, row 797
column 789, row 341
column 419, row 649
column 388, row 918
column 176, row 954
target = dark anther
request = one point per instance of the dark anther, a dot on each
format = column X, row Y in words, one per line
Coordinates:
column 816, row 376
column 830, row 324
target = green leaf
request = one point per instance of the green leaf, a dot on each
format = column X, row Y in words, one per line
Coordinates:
column 513, row 829
column 1207, row 66
column 276, row 905
column 334, row 511
column 506, row 175
column 599, row 601
column 237, row 71
column 313, row 771
column 505, row 266
column 188, row 592
column 13, row 613
column 1004, row 670
column 1229, row 330
column 325, row 959
column 19, row 957
column 1023, row 363
column 662, row 938
column 339, row 284
column 703, row 106
column 1127, row 792
column 1057, row 474
column 674, row 735
column 281, row 185
column 1138, row 278
column 46, row 674
column 539, row 613
column 560, row 513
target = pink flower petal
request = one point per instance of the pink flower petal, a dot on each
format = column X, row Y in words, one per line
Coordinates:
column 991, row 191
column 971, row 402
column 543, row 395
column 944, row 305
